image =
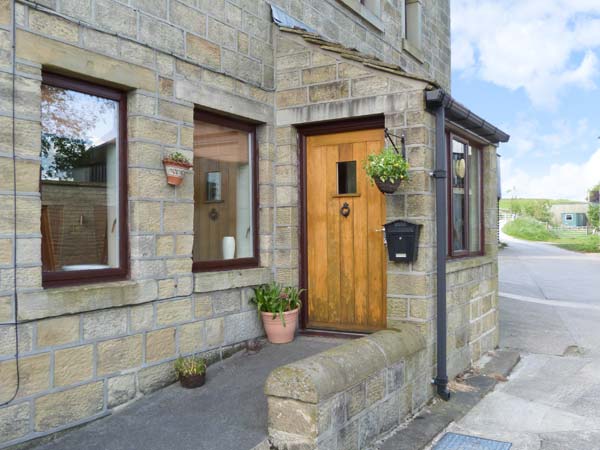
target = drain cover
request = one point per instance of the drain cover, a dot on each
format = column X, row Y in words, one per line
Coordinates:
column 454, row 441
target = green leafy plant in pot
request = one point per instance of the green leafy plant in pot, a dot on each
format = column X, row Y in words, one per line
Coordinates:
column 191, row 371
column 387, row 169
column 278, row 306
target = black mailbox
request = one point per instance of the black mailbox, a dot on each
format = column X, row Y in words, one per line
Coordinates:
column 402, row 240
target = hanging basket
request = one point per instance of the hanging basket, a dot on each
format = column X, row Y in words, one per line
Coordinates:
column 175, row 171
column 387, row 187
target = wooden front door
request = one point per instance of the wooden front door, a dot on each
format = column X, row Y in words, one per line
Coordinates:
column 344, row 217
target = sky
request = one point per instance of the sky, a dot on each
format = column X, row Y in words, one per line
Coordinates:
column 532, row 68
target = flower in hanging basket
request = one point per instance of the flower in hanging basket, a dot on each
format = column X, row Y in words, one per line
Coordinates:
column 176, row 166
column 387, row 169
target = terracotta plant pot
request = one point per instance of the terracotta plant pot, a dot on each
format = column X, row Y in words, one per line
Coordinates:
column 387, row 187
column 276, row 332
column 192, row 381
column 175, row 171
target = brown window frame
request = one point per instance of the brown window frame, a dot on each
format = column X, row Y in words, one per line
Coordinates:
column 76, row 277
column 452, row 254
column 237, row 263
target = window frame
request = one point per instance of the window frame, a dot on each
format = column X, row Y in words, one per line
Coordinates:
column 76, row 277
column 236, row 263
column 451, row 253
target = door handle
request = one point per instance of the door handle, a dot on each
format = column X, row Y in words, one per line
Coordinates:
column 345, row 209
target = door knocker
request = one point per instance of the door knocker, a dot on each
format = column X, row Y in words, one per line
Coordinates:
column 345, row 210
column 213, row 214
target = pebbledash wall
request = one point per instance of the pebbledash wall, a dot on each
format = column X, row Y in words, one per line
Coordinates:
column 87, row 349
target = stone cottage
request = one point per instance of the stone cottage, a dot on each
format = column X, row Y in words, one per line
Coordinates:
column 108, row 273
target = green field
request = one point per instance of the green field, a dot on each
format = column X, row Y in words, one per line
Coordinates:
column 532, row 230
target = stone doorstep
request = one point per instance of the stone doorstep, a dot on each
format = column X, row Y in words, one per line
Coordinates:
column 419, row 432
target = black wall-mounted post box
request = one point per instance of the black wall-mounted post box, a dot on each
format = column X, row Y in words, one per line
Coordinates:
column 402, row 240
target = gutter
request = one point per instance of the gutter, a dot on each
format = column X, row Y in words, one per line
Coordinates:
column 461, row 115
column 438, row 107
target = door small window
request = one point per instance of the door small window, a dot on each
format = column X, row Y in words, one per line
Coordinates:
column 82, row 181
column 225, row 233
column 346, row 172
column 465, row 198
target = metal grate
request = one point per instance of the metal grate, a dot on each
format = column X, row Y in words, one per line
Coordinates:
column 454, row 441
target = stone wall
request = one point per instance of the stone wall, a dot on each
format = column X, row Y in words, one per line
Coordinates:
column 86, row 349
column 347, row 397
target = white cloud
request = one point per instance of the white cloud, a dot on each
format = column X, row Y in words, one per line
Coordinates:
column 563, row 181
column 542, row 46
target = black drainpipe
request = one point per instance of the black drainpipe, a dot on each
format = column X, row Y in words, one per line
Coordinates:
column 437, row 101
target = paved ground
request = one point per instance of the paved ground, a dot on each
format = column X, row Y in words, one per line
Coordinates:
column 550, row 311
column 228, row 413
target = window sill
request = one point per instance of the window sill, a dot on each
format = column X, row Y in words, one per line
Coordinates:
column 58, row 301
column 364, row 12
column 230, row 279
column 457, row 264
column 412, row 50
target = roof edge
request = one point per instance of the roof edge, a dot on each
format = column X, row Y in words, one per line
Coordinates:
column 464, row 117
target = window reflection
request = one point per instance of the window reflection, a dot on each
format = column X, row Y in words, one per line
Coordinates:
column 223, row 199
column 79, row 180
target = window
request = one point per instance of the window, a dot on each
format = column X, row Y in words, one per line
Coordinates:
column 465, row 198
column 369, row 10
column 346, row 172
column 82, row 181
column 569, row 217
column 225, row 185
column 412, row 27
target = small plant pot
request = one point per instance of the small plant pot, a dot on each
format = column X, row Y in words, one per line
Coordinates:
column 175, row 171
column 192, row 381
column 387, row 187
column 277, row 333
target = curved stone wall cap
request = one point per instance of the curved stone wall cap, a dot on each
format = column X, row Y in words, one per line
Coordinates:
column 318, row 377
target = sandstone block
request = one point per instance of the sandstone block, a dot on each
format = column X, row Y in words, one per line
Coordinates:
column 34, row 373
column 328, row 91
column 178, row 217
column 215, row 332
column 203, row 51
column 296, row 61
column 160, row 344
column 121, row 389
column 155, row 377
column 364, row 87
column 292, row 416
column 119, row 354
column 137, row 54
column 203, row 306
column 142, row 317
column 173, row 311
column 73, row 365
column 116, row 17
column 161, row 35
column 61, row 408
column 319, row 74
column 14, row 422
column 166, row 288
column 191, row 338
column 103, row 324
column 57, row 331
column 189, row 19
column 153, row 130
column 54, row 26
column 145, row 216
column 226, row 301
